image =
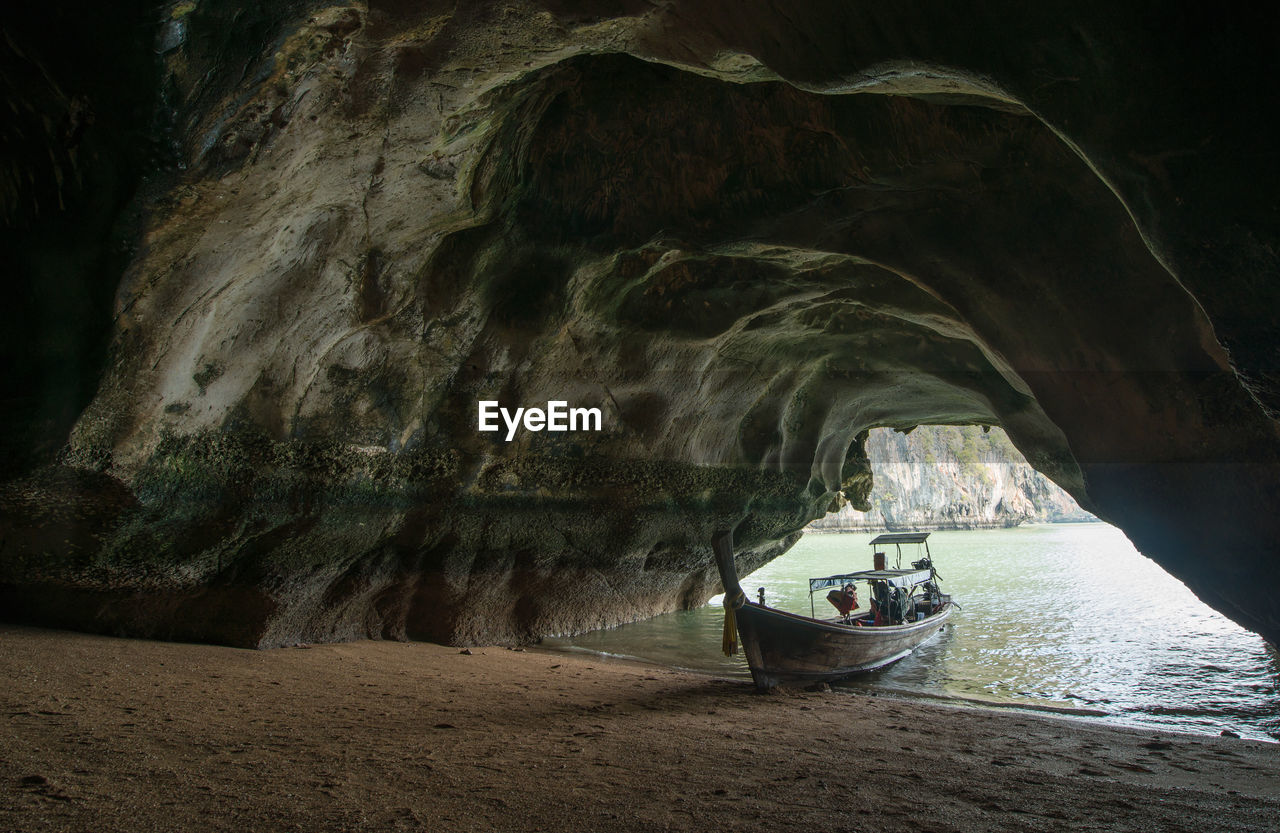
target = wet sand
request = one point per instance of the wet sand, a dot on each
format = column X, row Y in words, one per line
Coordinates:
column 109, row 734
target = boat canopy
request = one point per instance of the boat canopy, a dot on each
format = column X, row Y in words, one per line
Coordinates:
column 897, row 578
column 900, row 538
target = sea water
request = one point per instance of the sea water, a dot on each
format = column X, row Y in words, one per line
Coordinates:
column 1063, row 617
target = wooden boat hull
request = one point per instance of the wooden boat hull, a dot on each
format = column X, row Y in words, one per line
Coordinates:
column 781, row 647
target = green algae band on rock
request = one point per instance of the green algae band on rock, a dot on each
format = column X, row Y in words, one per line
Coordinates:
column 558, row 416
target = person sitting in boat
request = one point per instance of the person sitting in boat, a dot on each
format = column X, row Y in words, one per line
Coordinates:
column 845, row 599
column 880, row 603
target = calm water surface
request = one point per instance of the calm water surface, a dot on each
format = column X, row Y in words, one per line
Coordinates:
column 1064, row 616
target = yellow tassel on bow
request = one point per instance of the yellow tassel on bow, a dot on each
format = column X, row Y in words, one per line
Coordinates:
column 730, row 640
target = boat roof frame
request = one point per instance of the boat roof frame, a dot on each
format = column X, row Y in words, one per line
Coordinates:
column 897, row 578
column 900, row 538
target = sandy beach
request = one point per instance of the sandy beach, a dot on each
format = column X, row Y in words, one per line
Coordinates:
column 108, row 734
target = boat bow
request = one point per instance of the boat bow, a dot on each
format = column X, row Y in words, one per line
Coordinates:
column 734, row 598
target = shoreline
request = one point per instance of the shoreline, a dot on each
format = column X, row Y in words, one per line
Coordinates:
column 114, row 734
column 1088, row 716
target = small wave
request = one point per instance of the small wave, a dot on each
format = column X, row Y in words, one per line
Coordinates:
column 1218, row 713
column 1070, row 711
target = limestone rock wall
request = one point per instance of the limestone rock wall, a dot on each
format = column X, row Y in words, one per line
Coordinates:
column 951, row 477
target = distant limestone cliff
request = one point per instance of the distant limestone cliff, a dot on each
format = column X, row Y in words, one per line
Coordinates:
column 952, row 477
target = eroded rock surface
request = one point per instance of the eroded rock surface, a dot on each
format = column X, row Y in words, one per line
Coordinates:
column 746, row 232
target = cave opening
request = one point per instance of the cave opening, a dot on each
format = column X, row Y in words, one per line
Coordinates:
column 744, row 270
column 896, row 260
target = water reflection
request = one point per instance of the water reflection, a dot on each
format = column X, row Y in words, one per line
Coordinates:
column 1056, row 616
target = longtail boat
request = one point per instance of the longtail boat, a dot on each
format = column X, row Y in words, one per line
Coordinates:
column 906, row 608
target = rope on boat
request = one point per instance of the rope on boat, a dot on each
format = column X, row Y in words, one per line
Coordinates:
column 730, row 641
